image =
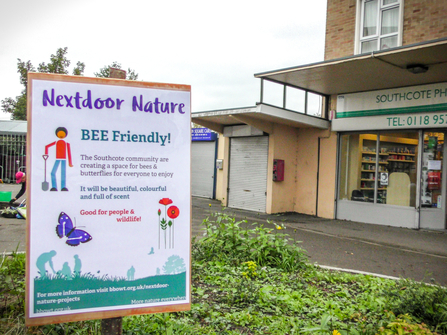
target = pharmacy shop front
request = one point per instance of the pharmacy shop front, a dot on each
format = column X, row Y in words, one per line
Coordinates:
column 391, row 156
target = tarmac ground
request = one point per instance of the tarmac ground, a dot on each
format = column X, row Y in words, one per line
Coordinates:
column 388, row 251
column 358, row 247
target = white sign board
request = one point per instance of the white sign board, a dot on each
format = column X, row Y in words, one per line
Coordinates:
column 434, row 165
column 109, row 198
column 415, row 107
column 392, row 122
column 415, row 99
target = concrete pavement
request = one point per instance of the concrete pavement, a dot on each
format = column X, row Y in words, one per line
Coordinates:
column 389, row 251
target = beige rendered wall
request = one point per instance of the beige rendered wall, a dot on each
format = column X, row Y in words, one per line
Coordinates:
column 328, row 175
column 283, row 143
column 307, row 170
column 299, row 150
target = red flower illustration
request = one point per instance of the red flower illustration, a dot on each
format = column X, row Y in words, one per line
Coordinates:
column 165, row 201
column 173, row 212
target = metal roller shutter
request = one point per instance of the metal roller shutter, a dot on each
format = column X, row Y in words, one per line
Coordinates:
column 202, row 175
column 248, row 173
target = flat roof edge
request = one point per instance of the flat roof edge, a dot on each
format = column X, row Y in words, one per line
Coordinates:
column 250, row 109
column 354, row 57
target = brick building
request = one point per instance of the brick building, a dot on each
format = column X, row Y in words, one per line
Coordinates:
column 375, row 150
column 418, row 21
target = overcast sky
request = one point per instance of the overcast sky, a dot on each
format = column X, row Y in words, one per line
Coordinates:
column 216, row 47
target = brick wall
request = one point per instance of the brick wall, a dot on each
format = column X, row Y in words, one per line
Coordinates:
column 424, row 20
column 340, row 28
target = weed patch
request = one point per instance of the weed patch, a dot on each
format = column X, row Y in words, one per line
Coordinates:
column 226, row 240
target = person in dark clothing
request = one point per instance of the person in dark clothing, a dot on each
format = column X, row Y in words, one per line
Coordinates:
column 20, row 178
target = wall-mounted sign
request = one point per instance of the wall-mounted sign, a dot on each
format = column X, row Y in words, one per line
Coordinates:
column 392, row 122
column 203, row 134
column 109, row 198
column 415, row 99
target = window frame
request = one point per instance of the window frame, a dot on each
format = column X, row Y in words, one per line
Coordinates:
column 378, row 36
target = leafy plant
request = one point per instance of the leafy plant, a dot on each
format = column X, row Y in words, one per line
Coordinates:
column 404, row 324
column 9, row 212
column 426, row 303
column 249, row 270
column 235, row 243
column 12, row 283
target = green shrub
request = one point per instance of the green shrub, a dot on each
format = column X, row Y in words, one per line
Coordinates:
column 226, row 240
column 404, row 324
column 12, row 284
column 426, row 303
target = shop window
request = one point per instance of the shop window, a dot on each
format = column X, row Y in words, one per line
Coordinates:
column 379, row 168
column 357, row 175
column 432, row 157
column 379, row 25
column 400, row 159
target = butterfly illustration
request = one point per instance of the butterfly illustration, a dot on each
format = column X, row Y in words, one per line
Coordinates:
column 66, row 228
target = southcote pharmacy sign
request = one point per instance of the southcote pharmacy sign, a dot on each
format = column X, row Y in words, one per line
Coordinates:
column 422, row 106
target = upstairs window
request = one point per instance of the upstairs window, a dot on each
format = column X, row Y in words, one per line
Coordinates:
column 380, row 22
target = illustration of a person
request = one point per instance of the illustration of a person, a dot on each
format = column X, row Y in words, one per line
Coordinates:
column 77, row 266
column 62, row 153
column 131, row 273
column 66, row 271
column 46, row 257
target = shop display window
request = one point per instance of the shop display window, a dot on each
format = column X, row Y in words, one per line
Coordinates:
column 432, row 157
column 357, row 170
column 379, row 168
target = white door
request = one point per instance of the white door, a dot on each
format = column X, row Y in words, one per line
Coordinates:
column 203, row 157
column 248, row 173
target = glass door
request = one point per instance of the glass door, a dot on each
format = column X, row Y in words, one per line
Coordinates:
column 433, row 199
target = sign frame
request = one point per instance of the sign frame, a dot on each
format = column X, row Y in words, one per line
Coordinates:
column 103, row 312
